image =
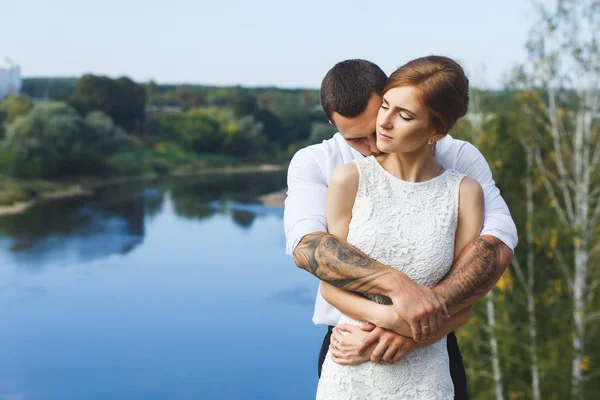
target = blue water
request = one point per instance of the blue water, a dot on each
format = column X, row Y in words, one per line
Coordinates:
column 167, row 290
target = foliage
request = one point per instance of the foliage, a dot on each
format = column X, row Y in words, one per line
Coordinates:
column 121, row 99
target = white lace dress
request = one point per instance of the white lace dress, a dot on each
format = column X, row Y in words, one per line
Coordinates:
column 411, row 227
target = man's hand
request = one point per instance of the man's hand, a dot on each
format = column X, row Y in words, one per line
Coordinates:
column 422, row 308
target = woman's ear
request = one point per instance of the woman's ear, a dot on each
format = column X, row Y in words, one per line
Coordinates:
column 438, row 136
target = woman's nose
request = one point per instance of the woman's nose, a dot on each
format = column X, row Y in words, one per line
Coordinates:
column 384, row 122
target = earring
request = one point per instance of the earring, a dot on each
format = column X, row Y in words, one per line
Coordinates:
column 431, row 140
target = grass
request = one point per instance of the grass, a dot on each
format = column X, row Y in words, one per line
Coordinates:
column 14, row 190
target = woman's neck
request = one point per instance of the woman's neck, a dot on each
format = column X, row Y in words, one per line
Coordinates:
column 418, row 166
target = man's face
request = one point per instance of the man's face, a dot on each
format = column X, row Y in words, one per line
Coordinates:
column 359, row 131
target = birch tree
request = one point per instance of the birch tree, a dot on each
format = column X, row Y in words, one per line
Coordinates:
column 527, row 279
column 562, row 81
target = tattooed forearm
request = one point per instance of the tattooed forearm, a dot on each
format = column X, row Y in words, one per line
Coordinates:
column 340, row 264
column 478, row 268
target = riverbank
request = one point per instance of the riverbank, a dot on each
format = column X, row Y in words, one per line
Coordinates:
column 16, row 196
column 274, row 200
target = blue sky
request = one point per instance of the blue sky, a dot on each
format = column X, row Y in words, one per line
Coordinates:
column 258, row 43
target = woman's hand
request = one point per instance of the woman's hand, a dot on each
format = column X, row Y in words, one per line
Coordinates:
column 391, row 347
column 345, row 339
column 352, row 345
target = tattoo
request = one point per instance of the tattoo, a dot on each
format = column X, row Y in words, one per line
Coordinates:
column 338, row 263
column 475, row 273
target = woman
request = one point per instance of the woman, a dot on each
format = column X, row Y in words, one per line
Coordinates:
column 406, row 211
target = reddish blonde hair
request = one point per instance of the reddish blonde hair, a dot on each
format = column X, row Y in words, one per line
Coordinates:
column 442, row 88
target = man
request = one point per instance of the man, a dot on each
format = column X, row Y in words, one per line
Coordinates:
column 351, row 98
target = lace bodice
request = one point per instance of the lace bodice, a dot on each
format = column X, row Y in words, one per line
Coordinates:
column 411, row 227
column 408, row 226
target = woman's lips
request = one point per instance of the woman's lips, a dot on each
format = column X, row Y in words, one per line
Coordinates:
column 384, row 137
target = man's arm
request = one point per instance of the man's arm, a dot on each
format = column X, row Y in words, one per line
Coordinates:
column 484, row 260
column 360, row 308
column 315, row 250
column 340, row 264
column 334, row 261
column 476, row 271
column 473, row 274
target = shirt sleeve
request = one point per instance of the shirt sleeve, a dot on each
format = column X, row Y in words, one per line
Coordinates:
column 497, row 220
column 305, row 204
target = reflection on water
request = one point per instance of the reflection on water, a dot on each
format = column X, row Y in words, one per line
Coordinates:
column 113, row 220
column 175, row 289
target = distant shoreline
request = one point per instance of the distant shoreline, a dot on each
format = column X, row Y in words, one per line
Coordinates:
column 274, row 200
column 87, row 186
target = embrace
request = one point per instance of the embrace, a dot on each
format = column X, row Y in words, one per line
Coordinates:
column 402, row 224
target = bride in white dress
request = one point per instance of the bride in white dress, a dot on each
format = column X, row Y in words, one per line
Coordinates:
column 404, row 210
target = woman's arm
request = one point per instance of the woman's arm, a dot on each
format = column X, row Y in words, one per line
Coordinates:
column 368, row 343
column 360, row 308
column 341, row 194
column 470, row 214
column 467, row 257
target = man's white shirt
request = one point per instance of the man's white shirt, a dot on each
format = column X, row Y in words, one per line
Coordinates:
column 308, row 178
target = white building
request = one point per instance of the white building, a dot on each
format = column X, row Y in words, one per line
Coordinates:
column 10, row 78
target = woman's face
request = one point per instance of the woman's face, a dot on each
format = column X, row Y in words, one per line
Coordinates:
column 403, row 124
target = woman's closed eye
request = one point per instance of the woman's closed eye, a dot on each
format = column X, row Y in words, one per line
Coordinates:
column 405, row 116
column 402, row 115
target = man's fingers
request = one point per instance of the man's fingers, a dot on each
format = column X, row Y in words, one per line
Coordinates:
column 432, row 325
column 425, row 328
column 445, row 312
column 415, row 326
column 440, row 321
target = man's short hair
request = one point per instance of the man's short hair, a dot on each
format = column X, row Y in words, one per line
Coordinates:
column 347, row 87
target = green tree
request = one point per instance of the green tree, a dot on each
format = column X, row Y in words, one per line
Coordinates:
column 13, row 106
column 121, row 99
column 58, row 89
column 561, row 86
column 53, row 140
column 244, row 104
column 271, row 124
column 195, row 129
column 248, row 141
